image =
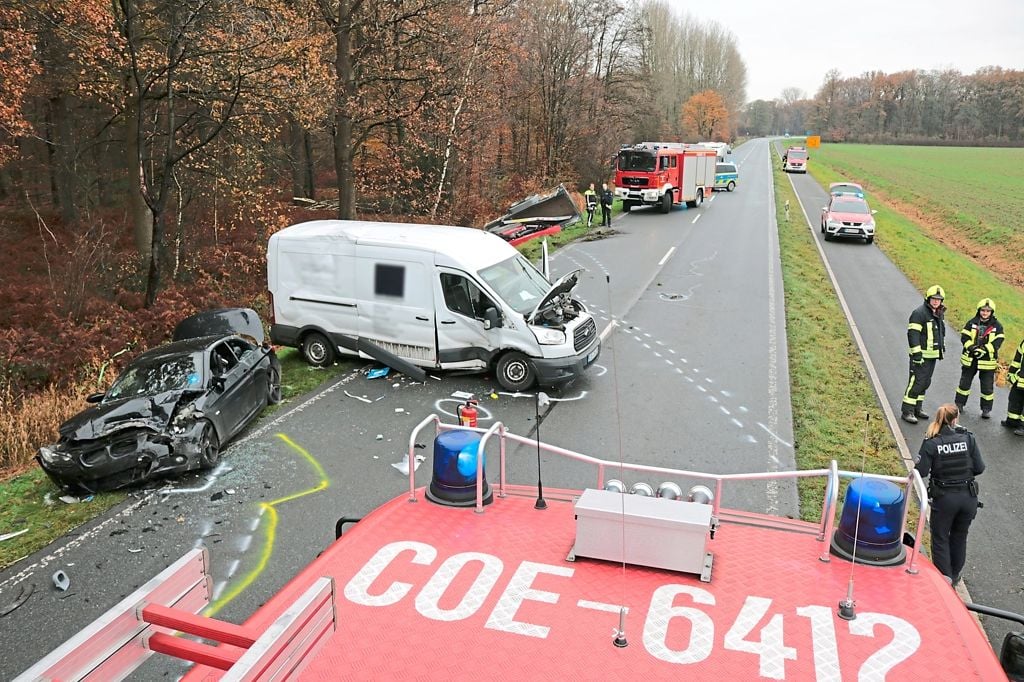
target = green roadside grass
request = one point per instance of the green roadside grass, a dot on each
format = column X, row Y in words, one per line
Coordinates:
column 532, row 249
column 31, row 500
column 836, row 415
column 926, row 261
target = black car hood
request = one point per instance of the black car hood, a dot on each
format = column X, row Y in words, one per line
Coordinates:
column 153, row 411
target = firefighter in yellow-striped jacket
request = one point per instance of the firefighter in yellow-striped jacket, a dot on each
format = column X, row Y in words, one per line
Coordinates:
column 1015, row 405
column 926, row 340
column 982, row 336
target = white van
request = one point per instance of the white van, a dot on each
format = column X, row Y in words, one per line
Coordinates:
column 430, row 296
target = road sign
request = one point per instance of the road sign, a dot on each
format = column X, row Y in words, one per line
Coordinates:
column 813, row 141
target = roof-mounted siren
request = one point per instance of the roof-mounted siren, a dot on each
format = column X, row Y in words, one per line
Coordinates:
column 453, row 483
column 871, row 524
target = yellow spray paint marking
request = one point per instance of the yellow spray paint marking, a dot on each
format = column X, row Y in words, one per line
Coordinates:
column 269, row 509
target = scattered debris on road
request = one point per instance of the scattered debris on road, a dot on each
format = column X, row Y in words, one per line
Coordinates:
column 61, row 581
column 403, row 466
column 365, row 400
column 378, row 372
column 22, row 597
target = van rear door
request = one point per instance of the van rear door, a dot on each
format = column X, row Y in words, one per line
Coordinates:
column 396, row 302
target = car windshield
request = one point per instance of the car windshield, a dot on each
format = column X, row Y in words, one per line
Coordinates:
column 517, row 282
column 848, row 206
column 725, row 168
column 847, row 189
column 636, row 161
column 796, row 154
column 158, row 375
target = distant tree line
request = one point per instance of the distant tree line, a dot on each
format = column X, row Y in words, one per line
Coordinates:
column 909, row 107
column 174, row 121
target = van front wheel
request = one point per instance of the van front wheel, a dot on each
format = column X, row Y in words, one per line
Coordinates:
column 515, row 372
column 317, row 350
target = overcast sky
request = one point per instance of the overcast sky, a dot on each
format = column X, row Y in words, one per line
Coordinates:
column 863, row 35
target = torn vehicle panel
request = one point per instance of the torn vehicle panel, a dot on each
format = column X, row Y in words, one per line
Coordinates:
column 220, row 322
column 170, row 410
column 536, row 216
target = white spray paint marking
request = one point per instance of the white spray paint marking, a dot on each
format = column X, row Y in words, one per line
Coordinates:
column 701, row 389
column 647, row 345
column 254, row 524
column 232, row 567
column 604, row 370
column 647, row 334
column 680, row 371
column 689, row 379
column 658, row 355
column 211, row 478
column 669, row 361
column 666, row 256
column 774, row 436
column 483, row 413
column 659, row 343
column 743, row 408
column 670, row 350
column 712, row 398
column 724, row 410
column 726, row 394
column 709, row 380
column 638, row 339
column 244, row 542
column 218, row 589
column 737, row 422
column 751, row 439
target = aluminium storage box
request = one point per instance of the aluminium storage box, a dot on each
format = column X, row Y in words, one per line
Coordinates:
column 657, row 532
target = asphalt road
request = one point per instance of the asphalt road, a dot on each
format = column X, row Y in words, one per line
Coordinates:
column 693, row 375
column 881, row 298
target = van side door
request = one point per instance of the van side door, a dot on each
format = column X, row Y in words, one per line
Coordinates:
column 462, row 340
column 396, row 301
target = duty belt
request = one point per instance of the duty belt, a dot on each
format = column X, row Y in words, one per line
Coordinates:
column 953, row 484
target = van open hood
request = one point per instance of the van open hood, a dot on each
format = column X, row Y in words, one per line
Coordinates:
column 563, row 286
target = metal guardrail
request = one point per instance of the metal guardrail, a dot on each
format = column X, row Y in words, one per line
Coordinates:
column 912, row 482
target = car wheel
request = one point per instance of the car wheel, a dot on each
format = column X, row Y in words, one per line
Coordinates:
column 209, row 447
column 823, row 228
column 627, row 206
column 273, row 384
column 828, row 237
column 515, row 372
column 731, row 186
column 700, row 198
column 666, row 202
column 317, row 350
column 869, row 240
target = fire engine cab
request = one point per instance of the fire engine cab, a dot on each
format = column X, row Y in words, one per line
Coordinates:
column 795, row 160
column 664, row 173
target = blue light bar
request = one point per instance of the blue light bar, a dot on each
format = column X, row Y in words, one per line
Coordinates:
column 878, row 537
column 454, row 478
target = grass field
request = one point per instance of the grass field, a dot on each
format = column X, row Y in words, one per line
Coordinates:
column 949, row 216
column 977, row 191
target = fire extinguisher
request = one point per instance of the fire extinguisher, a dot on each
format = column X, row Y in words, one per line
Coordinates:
column 467, row 413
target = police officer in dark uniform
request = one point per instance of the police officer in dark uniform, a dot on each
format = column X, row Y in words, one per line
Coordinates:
column 951, row 459
column 926, row 340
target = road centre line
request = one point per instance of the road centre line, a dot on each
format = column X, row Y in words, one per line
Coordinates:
column 696, row 219
column 666, row 256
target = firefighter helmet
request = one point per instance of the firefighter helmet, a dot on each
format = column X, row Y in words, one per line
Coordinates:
column 935, row 291
column 987, row 303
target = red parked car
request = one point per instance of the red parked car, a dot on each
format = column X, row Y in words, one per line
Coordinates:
column 848, row 217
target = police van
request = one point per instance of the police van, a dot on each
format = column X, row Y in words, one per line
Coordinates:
column 726, row 176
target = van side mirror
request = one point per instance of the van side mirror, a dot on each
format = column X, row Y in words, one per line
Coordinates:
column 94, row 397
column 491, row 319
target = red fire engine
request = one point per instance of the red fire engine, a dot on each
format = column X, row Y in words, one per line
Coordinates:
column 664, row 173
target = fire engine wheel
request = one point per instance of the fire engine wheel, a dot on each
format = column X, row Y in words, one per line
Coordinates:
column 515, row 372
column 627, row 206
column 209, row 447
column 317, row 350
column 666, row 202
column 731, row 186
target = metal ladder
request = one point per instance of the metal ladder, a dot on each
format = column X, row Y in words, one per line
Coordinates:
column 146, row 621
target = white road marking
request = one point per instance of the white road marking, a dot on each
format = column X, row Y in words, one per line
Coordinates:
column 667, row 256
column 696, row 219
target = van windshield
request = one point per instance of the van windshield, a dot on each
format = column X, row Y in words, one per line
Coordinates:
column 517, row 282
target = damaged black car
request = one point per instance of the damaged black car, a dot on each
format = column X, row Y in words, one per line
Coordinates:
column 172, row 408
